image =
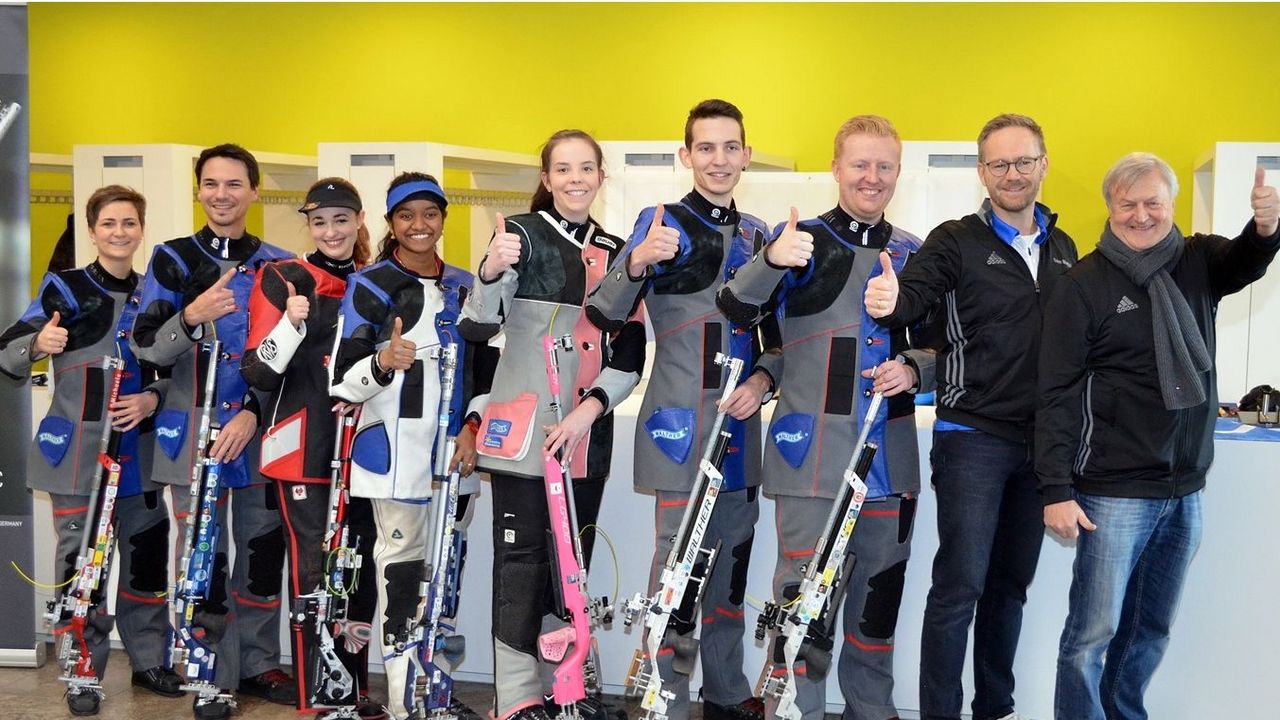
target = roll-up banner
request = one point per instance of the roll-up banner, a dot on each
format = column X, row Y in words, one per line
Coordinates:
column 18, row 643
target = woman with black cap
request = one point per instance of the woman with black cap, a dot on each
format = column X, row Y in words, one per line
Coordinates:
column 533, row 282
column 293, row 317
column 393, row 314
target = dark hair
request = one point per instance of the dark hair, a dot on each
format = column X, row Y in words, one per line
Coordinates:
column 360, row 252
column 542, row 199
column 104, row 196
column 712, row 109
column 389, row 242
column 231, row 151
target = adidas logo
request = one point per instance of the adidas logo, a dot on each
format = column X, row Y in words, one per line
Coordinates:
column 995, row 259
column 1126, row 305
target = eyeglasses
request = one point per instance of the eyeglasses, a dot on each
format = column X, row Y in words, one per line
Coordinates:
column 1001, row 167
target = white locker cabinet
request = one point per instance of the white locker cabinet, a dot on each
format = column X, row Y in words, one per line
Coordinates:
column 1248, row 352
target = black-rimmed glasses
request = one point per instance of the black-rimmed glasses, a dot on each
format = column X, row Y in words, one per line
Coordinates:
column 1000, row 168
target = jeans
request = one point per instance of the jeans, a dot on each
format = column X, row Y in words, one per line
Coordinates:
column 990, row 526
column 1125, row 587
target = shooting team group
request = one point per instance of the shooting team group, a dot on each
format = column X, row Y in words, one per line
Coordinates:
column 331, row 414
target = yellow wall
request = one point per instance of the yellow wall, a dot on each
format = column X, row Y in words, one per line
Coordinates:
column 1102, row 79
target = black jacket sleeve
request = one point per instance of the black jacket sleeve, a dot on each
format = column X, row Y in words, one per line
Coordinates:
column 928, row 275
column 1063, row 368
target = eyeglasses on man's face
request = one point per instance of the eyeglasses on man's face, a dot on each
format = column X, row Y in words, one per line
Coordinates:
column 1000, row 168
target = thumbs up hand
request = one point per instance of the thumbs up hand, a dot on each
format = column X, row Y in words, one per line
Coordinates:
column 1265, row 204
column 52, row 338
column 793, row 248
column 881, row 297
column 659, row 244
column 297, row 307
column 212, row 303
column 504, row 251
column 399, row 353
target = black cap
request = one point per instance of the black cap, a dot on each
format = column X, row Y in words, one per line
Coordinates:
column 331, row 195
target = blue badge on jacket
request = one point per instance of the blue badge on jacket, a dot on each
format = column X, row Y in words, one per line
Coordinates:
column 496, row 432
column 54, row 438
column 371, row 449
column 672, row 431
column 792, row 435
column 171, row 432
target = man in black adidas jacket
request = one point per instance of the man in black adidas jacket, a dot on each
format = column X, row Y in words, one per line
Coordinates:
column 992, row 271
column 1130, row 339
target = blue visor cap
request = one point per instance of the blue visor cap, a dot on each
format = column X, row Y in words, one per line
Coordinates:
column 416, row 190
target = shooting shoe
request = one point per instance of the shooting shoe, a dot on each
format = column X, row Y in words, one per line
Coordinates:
column 159, row 680
column 274, row 685
column 750, row 709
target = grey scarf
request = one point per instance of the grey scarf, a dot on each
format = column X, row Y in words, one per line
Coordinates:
column 1181, row 354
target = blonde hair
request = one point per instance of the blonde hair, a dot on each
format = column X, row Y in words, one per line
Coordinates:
column 865, row 125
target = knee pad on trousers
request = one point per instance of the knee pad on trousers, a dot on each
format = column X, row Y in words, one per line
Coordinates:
column 460, row 510
column 69, row 562
column 403, row 580
column 906, row 517
column 880, row 612
column 518, row 606
column 217, row 602
column 148, row 559
column 151, row 499
column 684, row 618
column 738, row 580
column 266, row 557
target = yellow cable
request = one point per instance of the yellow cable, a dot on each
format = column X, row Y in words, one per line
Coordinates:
column 33, row 583
column 612, row 553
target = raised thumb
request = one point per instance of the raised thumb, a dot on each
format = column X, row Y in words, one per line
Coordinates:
column 57, row 318
column 795, row 220
column 1259, row 177
column 886, row 265
column 288, row 287
column 658, row 213
column 501, row 226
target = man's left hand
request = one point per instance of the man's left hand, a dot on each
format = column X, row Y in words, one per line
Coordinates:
column 744, row 401
column 892, row 377
column 234, row 436
column 129, row 410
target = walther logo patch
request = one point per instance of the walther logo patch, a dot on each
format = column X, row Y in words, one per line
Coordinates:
column 670, row 434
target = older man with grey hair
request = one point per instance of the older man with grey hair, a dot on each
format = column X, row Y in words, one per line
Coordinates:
column 1130, row 339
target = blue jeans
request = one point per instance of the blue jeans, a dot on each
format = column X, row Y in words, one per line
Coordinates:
column 990, row 526
column 1124, row 594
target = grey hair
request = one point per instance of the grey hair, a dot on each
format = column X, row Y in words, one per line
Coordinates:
column 1133, row 167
